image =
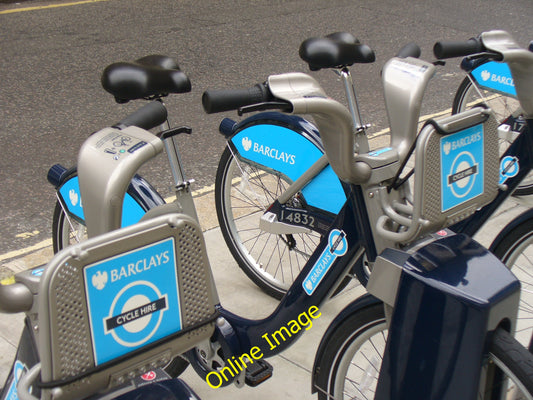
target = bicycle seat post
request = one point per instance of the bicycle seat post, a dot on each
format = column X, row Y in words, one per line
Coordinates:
column 361, row 142
column 181, row 184
column 174, row 159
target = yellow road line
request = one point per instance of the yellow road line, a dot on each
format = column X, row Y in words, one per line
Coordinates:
column 23, row 9
column 17, row 253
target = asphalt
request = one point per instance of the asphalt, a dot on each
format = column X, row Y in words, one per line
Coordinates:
column 292, row 369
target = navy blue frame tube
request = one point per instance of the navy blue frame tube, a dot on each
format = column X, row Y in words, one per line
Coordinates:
column 355, row 226
column 444, row 303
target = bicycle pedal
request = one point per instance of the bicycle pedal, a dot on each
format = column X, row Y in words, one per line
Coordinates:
column 258, row 372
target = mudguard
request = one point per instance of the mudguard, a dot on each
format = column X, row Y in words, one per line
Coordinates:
column 355, row 306
column 520, row 219
column 140, row 196
column 494, row 76
column 289, row 145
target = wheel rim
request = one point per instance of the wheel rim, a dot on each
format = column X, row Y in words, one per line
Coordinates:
column 356, row 368
column 274, row 259
column 519, row 259
column 357, row 371
column 502, row 106
column 513, row 388
column 70, row 231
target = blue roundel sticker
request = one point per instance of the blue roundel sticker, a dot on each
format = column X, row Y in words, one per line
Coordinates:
column 136, row 313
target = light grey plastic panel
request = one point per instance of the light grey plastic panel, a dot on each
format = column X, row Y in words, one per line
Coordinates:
column 102, row 305
column 457, row 172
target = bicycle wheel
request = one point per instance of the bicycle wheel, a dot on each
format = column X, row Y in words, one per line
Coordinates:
column 516, row 252
column 468, row 96
column 243, row 192
column 65, row 230
column 352, row 361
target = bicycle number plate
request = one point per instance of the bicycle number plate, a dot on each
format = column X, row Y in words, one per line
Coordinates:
column 132, row 299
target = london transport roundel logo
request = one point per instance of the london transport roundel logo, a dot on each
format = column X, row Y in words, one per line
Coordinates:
column 136, row 313
column 462, row 174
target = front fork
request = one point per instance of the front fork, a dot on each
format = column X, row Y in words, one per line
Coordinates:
column 444, row 309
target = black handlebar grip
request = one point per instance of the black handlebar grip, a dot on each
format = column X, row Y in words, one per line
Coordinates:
column 147, row 117
column 225, row 100
column 452, row 49
column 409, row 50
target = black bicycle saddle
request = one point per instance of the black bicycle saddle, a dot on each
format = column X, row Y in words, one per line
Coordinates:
column 149, row 77
column 337, row 50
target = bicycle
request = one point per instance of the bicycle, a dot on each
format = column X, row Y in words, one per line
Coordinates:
column 510, row 245
column 273, row 213
column 224, row 347
column 490, row 83
column 150, row 78
column 397, row 214
column 372, row 328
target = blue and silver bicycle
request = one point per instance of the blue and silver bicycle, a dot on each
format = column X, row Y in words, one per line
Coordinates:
column 127, row 301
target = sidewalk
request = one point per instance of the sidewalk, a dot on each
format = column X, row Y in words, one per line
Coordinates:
column 292, row 369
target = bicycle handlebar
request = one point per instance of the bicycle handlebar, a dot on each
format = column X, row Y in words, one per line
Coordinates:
column 147, row 117
column 232, row 99
column 452, row 49
column 409, row 50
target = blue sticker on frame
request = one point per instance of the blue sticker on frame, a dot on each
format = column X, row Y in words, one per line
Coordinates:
column 495, row 76
column 337, row 247
column 462, row 166
column 133, row 300
column 132, row 212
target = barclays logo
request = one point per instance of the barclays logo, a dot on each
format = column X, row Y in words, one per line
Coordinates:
column 246, row 143
column 504, row 80
column 99, row 280
column 447, row 147
column 270, row 152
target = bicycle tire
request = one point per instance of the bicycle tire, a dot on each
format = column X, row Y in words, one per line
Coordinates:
column 242, row 193
column 467, row 96
column 516, row 251
column 363, row 336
